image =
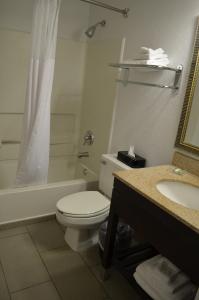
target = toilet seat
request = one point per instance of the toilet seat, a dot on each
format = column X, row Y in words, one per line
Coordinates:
column 86, row 204
column 102, row 212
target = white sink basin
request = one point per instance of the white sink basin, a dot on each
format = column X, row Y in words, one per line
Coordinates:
column 179, row 192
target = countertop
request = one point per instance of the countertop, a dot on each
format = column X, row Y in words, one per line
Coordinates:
column 144, row 182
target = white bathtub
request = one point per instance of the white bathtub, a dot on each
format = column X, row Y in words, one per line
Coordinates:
column 28, row 203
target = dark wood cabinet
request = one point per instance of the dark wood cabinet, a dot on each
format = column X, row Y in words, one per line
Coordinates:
column 172, row 238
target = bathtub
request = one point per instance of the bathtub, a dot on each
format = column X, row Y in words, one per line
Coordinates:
column 29, row 203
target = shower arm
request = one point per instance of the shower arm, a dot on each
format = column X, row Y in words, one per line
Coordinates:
column 124, row 11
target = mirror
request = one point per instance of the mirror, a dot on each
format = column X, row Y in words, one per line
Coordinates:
column 188, row 132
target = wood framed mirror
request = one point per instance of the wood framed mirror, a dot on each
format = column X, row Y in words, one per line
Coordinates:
column 188, row 131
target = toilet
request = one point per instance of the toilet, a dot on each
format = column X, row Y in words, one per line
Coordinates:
column 82, row 213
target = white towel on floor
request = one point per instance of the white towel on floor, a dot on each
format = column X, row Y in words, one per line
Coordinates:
column 157, row 293
column 161, row 271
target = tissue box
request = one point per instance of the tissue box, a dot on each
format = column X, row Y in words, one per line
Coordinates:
column 137, row 162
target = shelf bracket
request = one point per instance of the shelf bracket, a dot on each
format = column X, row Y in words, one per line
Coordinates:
column 178, row 76
column 126, row 77
column 124, row 82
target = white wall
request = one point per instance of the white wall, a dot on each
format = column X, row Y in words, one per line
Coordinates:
column 73, row 18
column 98, row 98
column 148, row 117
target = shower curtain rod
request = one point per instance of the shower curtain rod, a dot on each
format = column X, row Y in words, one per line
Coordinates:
column 124, row 11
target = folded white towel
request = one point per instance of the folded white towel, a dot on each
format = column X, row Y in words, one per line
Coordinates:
column 161, row 271
column 197, row 295
column 152, row 56
column 145, row 50
column 166, row 289
column 144, row 285
column 155, row 62
column 158, row 294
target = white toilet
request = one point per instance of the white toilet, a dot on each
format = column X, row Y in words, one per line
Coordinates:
column 82, row 213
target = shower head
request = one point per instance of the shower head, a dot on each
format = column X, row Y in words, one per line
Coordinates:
column 91, row 30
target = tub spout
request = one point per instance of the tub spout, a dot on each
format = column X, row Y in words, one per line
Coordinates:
column 83, row 154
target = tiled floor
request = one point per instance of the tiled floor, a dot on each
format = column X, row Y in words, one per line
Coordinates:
column 36, row 264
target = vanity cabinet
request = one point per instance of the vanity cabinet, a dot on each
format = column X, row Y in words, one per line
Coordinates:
column 171, row 238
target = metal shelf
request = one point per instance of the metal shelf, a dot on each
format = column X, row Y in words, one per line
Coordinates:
column 127, row 67
column 153, row 67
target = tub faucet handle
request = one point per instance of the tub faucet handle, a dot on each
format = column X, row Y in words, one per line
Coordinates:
column 89, row 138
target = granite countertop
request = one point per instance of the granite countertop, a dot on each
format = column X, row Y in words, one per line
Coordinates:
column 144, row 182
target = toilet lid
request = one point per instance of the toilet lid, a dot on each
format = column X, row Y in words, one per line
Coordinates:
column 83, row 204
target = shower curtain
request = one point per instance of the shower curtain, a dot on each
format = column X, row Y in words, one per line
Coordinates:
column 34, row 151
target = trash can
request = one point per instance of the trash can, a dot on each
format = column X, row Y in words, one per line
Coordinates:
column 124, row 237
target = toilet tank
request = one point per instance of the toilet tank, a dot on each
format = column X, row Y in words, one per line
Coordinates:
column 109, row 164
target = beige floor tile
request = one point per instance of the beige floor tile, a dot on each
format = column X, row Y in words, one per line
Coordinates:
column 45, row 291
column 12, row 231
column 4, row 294
column 47, row 235
column 21, row 262
column 116, row 286
column 71, row 276
column 91, row 256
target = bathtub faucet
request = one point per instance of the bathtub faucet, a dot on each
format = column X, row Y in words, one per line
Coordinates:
column 88, row 138
column 83, row 154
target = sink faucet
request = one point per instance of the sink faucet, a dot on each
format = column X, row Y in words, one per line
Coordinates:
column 178, row 171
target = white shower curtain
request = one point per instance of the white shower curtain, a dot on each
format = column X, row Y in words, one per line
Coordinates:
column 34, row 152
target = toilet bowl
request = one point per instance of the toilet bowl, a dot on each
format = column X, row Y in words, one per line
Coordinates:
column 82, row 213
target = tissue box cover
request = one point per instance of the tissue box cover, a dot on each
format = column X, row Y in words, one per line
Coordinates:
column 137, row 162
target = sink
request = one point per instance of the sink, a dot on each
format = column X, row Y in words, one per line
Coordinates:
column 179, row 192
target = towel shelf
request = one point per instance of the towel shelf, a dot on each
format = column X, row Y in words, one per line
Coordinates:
column 127, row 67
column 153, row 67
column 148, row 84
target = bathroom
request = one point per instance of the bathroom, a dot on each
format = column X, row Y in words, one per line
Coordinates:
column 91, row 114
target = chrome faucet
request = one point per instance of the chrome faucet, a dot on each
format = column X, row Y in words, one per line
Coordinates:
column 179, row 171
column 83, row 154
